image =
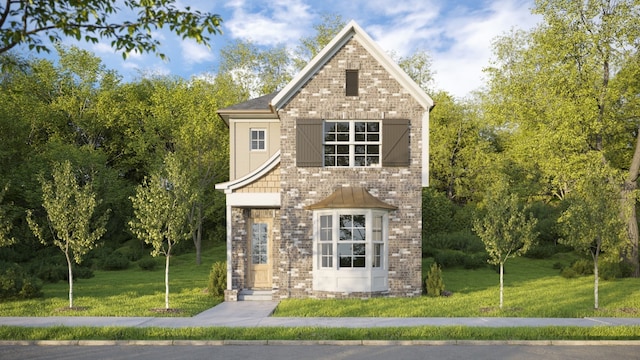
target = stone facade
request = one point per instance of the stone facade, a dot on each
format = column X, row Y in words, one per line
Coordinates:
column 380, row 97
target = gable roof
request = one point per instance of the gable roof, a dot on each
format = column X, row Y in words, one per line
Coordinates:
column 351, row 30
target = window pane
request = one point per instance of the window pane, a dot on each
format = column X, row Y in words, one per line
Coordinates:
column 373, row 126
column 358, row 261
column 342, row 127
column 373, row 149
column 373, row 160
column 329, row 161
column 329, row 149
column 359, row 249
column 377, row 255
column 329, row 127
column 342, row 137
column 342, row 161
column 360, row 149
column 342, row 149
column 359, row 161
column 259, row 243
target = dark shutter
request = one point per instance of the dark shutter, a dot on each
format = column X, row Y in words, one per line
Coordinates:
column 395, row 142
column 351, row 84
column 309, row 142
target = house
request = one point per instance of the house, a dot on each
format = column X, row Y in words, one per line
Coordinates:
column 324, row 196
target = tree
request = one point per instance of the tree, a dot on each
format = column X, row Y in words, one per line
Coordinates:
column 329, row 26
column 504, row 227
column 200, row 141
column 5, row 224
column 565, row 90
column 70, row 204
column 258, row 71
column 592, row 223
column 129, row 24
column 161, row 206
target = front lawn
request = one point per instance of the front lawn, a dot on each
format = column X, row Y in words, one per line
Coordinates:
column 130, row 292
column 533, row 288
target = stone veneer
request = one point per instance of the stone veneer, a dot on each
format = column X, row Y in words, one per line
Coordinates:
column 380, row 97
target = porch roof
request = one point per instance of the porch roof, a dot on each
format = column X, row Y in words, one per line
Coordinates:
column 351, row 197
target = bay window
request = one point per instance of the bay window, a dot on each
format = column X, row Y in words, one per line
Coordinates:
column 350, row 250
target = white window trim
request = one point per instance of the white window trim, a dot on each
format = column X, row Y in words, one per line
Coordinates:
column 363, row 279
column 352, row 143
column 264, row 131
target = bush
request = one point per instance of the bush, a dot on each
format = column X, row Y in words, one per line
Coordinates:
column 148, row 264
column 583, row 267
column 568, row 273
column 15, row 283
column 218, row 278
column 463, row 240
column 475, row 261
column 130, row 253
column 449, row 258
column 434, row 284
column 609, row 270
column 115, row 261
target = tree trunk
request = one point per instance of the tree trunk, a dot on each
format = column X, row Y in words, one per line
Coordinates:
column 501, row 284
column 166, row 282
column 66, row 254
column 630, row 217
column 595, row 284
column 198, row 236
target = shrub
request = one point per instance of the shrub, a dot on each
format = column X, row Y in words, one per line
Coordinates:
column 475, row 261
column 115, row 261
column 583, row 267
column 558, row 266
column 463, row 240
column 130, row 253
column 568, row 273
column 147, row 263
column 435, row 285
column 609, row 270
column 449, row 258
column 218, row 278
column 15, row 283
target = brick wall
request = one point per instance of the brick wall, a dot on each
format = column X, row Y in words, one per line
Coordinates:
column 380, row 97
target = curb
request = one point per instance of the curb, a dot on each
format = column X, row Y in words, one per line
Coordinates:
column 319, row 342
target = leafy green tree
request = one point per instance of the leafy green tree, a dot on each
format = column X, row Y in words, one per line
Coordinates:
column 129, row 24
column 418, row 67
column 461, row 149
column 326, row 29
column 5, row 224
column 565, row 90
column 591, row 223
column 200, row 141
column 504, row 227
column 161, row 206
column 258, row 71
column 70, row 204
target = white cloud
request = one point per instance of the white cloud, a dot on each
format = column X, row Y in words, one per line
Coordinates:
column 194, row 53
column 271, row 23
column 459, row 66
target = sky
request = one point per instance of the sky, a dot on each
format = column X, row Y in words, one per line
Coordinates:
column 457, row 34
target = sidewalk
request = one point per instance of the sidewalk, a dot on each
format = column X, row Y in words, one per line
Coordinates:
column 257, row 314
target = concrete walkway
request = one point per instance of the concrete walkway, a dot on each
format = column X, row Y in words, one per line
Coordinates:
column 258, row 313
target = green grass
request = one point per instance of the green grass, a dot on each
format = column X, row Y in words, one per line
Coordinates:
column 321, row 333
column 532, row 289
column 130, row 292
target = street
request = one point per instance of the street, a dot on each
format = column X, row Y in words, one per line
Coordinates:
column 283, row 352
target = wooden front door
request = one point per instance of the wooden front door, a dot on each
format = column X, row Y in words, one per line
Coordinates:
column 259, row 276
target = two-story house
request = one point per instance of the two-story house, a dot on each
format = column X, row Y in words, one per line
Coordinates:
column 324, row 197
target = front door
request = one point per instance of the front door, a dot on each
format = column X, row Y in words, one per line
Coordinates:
column 259, row 276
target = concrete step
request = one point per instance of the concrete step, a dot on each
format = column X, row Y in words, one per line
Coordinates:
column 255, row 295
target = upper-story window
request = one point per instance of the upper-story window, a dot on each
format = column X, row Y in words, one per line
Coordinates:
column 258, row 139
column 352, row 143
column 344, row 143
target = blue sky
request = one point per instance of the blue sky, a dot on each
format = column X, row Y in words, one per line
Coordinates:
column 457, row 34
